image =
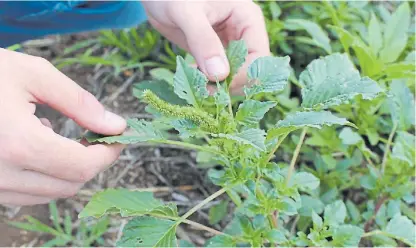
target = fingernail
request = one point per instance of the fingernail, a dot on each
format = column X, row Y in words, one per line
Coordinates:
column 215, row 66
column 114, row 120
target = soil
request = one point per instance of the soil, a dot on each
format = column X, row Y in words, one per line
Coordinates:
column 169, row 172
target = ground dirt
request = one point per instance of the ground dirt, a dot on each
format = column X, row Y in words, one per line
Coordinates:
column 168, row 171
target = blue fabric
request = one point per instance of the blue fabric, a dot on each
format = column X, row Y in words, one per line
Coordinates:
column 25, row 20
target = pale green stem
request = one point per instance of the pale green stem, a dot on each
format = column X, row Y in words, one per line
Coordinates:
column 379, row 232
column 201, row 204
column 386, row 151
column 296, row 154
column 191, row 223
column 270, row 155
column 187, row 145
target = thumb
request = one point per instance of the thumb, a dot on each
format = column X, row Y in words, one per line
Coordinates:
column 204, row 44
column 61, row 93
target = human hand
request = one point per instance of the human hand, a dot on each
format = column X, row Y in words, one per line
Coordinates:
column 203, row 28
column 36, row 164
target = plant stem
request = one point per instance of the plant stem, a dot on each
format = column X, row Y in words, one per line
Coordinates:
column 386, row 151
column 295, row 154
column 379, row 232
column 191, row 223
column 187, row 145
column 370, row 221
column 202, row 227
column 270, row 155
column 237, row 201
column 201, row 204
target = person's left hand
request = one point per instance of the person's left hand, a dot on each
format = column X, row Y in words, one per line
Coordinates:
column 204, row 28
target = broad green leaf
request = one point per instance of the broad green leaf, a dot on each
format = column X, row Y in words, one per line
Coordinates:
column 253, row 137
column 349, row 137
column 146, row 231
column 369, row 63
column 126, row 203
column 402, row 105
column 404, row 148
column 236, row 54
column 347, row 236
column 161, row 88
column 402, row 227
column 250, row 112
column 189, row 83
column 218, row 212
column 316, row 220
column 267, row 74
column 335, row 213
column 368, row 182
column 186, row 128
column 375, row 39
column 275, row 236
column 344, row 36
column 319, row 36
column 221, row 241
column 333, row 80
column 309, row 205
column 185, row 243
column 144, row 129
column 162, row 74
column 297, row 120
column 395, row 34
column 306, row 180
column 122, row 139
column 393, row 208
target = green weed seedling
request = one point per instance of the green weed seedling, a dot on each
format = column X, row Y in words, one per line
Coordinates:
column 272, row 198
column 65, row 234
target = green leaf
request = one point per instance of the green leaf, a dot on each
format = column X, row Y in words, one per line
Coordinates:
column 402, row 227
column 393, row 208
column 395, row 34
column 161, row 88
column 186, row 128
column 146, row 231
column 402, row 105
column 55, row 216
column 253, row 137
column 347, row 236
column 250, row 112
column 333, row 80
column 222, row 98
column 309, row 205
column 189, row 83
column 162, row 74
column 236, row 54
column 319, row 36
column 306, row 180
column 221, row 241
column 267, row 74
column 375, row 40
column 404, row 148
column 368, row 182
column 316, row 220
column 353, row 212
column 145, row 129
column 335, row 213
column 126, row 203
column 349, row 137
column 297, row 120
column 185, row 243
column 218, row 212
column 275, row 236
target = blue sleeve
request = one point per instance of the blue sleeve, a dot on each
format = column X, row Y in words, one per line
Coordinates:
column 21, row 20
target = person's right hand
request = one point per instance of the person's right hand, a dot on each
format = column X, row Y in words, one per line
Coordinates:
column 36, row 164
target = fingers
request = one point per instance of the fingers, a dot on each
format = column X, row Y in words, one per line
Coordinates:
column 44, row 151
column 45, row 122
column 48, row 85
column 19, row 199
column 203, row 42
column 37, row 184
